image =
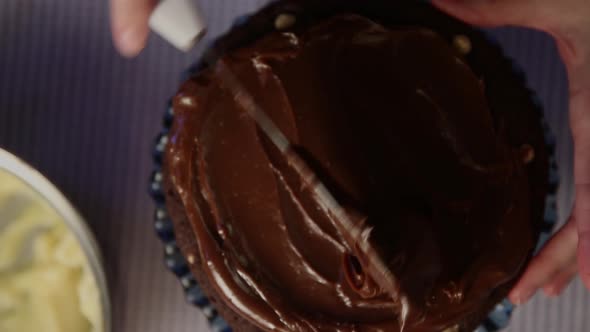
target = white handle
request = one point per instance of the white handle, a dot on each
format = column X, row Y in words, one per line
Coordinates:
column 180, row 22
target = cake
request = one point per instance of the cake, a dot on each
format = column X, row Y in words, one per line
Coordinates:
column 417, row 128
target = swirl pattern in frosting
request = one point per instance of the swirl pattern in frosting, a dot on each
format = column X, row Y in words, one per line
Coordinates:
column 398, row 127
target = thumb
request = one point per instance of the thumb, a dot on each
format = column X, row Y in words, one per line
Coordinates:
column 129, row 21
column 493, row 12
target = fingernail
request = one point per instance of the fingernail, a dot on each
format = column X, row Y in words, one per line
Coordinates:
column 514, row 298
column 520, row 298
column 550, row 292
column 129, row 42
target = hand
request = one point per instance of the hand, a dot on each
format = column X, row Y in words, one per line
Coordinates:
column 129, row 24
column 568, row 21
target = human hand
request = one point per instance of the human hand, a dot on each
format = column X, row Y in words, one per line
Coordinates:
column 568, row 21
column 129, row 24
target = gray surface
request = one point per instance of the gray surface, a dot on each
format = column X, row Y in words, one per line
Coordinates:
column 86, row 118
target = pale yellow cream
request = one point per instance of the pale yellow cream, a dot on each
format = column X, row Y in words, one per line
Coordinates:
column 54, row 291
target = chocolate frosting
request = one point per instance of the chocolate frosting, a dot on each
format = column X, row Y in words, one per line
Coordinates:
column 398, row 127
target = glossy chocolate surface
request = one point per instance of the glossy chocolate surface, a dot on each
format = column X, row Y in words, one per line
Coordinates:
column 398, row 127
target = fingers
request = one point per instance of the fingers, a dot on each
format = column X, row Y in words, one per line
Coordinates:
column 580, row 123
column 546, row 268
column 492, row 12
column 556, row 286
column 129, row 24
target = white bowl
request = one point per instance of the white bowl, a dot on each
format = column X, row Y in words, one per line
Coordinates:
column 72, row 219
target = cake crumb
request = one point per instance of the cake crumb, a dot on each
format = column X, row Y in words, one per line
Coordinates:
column 452, row 329
column 285, row 21
column 527, row 153
column 186, row 101
column 463, row 44
column 191, row 259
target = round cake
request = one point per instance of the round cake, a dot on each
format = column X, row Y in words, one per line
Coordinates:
column 414, row 124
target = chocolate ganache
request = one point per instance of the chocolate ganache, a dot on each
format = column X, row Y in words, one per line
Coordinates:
column 398, row 127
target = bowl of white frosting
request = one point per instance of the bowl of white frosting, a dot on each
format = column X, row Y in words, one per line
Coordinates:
column 52, row 277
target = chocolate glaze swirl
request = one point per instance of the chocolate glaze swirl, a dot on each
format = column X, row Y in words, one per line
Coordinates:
column 397, row 125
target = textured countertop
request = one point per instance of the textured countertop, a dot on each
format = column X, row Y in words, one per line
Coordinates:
column 87, row 118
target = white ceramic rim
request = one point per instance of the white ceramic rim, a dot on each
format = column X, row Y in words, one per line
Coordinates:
column 72, row 218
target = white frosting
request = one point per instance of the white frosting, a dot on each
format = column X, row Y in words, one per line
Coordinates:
column 45, row 280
